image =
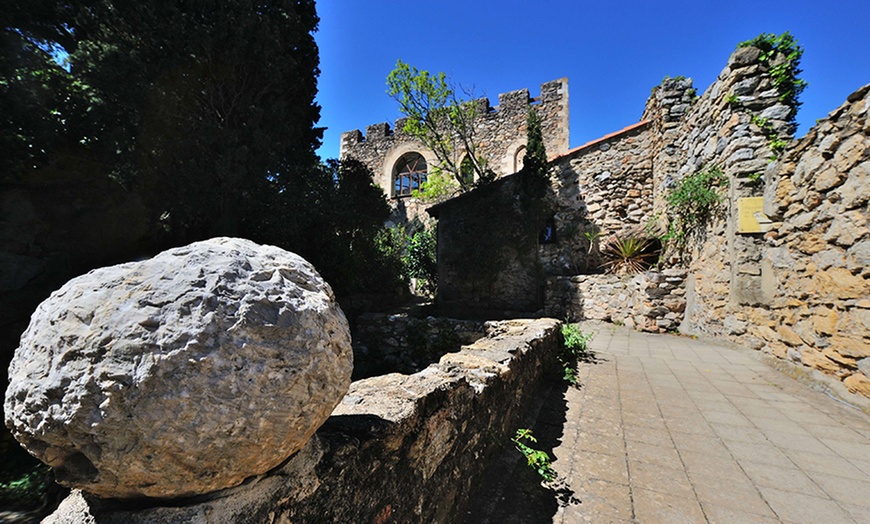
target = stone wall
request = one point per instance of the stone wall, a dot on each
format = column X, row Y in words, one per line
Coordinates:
column 652, row 301
column 800, row 290
column 815, row 262
column 488, row 253
column 500, row 131
column 399, row 448
column 400, row 343
column 717, row 130
column 600, row 190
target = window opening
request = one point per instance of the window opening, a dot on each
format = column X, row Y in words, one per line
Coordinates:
column 519, row 158
column 410, row 173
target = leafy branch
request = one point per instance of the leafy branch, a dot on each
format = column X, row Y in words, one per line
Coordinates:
column 441, row 120
column 536, row 459
column 692, row 203
column 782, row 55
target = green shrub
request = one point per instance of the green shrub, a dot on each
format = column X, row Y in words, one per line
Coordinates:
column 692, row 203
column 574, row 348
column 536, row 459
column 421, row 259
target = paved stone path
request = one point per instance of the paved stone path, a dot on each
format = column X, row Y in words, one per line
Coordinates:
column 672, row 429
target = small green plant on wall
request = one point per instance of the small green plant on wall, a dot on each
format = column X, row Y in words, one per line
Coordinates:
column 783, row 55
column 536, row 459
column 692, row 204
column 574, row 348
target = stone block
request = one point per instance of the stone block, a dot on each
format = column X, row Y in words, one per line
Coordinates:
column 815, row 359
column 182, row 374
column 858, row 383
column 853, row 346
column 825, row 321
column 789, row 337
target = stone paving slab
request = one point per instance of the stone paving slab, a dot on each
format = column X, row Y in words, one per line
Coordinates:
column 672, row 429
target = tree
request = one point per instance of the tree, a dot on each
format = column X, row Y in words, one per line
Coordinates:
column 442, row 121
column 333, row 216
column 205, row 108
column 43, row 108
column 536, row 168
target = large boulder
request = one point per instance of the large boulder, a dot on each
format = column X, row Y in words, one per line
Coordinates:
column 182, row 374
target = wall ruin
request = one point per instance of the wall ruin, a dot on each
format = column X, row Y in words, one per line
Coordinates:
column 501, row 133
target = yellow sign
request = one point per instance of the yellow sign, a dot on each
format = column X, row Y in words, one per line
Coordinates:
column 751, row 217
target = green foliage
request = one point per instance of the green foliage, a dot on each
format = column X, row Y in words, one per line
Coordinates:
column 24, row 480
column 536, row 170
column 732, row 99
column 776, row 144
column 206, row 110
column 782, row 55
column 692, row 203
column 421, row 259
column 574, row 348
column 334, row 218
column 441, row 120
column 536, row 459
column 437, row 187
column 627, row 255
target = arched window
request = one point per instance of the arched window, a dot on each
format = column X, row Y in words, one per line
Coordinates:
column 466, row 170
column 409, row 173
column 519, row 158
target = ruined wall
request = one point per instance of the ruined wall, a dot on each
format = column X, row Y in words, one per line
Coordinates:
column 652, row 301
column 799, row 291
column 501, row 134
column 601, row 189
column 717, row 130
column 399, row 448
column 815, row 266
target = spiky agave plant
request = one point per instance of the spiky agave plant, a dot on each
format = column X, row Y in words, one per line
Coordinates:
column 626, row 256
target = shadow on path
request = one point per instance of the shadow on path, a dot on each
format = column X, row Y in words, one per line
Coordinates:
column 511, row 491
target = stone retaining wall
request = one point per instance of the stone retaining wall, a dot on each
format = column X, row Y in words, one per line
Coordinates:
column 652, row 301
column 400, row 343
column 399, row 448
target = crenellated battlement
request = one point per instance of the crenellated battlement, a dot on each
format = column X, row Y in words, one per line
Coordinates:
column 511, row 101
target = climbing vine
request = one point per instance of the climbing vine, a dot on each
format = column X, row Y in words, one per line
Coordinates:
column 782, row 55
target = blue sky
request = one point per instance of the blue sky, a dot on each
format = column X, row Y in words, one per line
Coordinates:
column 612, row 53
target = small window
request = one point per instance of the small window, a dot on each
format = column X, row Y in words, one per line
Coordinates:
column 409, row 174
column 519, row 158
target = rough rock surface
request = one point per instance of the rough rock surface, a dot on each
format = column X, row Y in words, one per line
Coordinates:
column 182, row 374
